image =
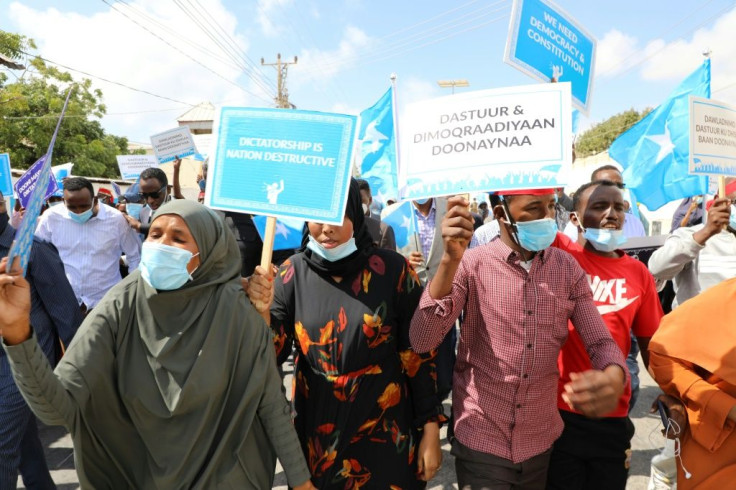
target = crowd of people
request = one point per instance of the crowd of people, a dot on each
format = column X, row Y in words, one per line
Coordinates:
column 146, row 327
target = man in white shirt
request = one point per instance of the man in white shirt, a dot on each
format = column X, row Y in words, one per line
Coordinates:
column 90, row 239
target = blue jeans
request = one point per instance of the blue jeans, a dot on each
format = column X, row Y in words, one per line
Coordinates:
column 633, row 364
column 20, row 447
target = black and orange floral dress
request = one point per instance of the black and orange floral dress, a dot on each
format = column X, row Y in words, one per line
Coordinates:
column 361, row 395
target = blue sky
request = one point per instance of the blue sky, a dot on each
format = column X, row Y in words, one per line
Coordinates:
column 347, row 50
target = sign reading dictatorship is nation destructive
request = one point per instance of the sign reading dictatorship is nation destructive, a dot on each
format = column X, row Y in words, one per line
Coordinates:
column 501, row 139
column 547, row 43
column 712, row 137
column 282, row 163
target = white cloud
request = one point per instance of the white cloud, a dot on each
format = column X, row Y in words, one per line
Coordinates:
column 682, row 56
column 324, row 64
column 413, row 89
column 659, row 60
column 109, row 45
column 615, row 52
column 267, row 10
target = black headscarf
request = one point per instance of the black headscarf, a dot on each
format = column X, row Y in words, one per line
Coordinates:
column 363, row 240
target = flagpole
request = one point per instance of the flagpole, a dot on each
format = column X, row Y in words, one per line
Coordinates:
column 397, row 143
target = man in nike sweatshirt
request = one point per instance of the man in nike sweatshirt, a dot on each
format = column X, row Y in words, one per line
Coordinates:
column 595, row 453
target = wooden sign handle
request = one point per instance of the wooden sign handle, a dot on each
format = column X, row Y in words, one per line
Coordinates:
column 722, row 190
column 267, row 253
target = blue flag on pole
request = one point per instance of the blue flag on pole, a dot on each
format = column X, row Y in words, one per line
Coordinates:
column 21, row 247
column 404, row 223
column 655, row 152
column 288, row 232
column 377, row 148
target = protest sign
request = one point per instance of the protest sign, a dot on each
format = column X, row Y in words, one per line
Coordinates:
column 6, row 178
column 173, row 143
column 21, row 248
column 27, row 182
column 547, row 43
column 501, row 139
column 712, row 137
column 131, row 166
column 282, row 163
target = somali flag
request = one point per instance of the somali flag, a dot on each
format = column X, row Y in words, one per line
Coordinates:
column 655, row 152
column 403, row 220
column 377, row 148
column 288, row 232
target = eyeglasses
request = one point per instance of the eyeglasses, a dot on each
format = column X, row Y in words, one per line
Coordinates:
column 152, row 195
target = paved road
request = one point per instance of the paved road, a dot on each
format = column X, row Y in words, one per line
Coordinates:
column 646, row 443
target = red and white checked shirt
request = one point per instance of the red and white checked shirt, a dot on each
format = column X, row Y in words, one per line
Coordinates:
column 505, row 383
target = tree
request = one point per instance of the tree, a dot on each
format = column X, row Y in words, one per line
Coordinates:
column 599, row 137
column 29, row 110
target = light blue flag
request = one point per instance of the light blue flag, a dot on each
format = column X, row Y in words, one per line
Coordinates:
column 288, row 232
column 377, row 148
column 655, row 152
column 404, row 223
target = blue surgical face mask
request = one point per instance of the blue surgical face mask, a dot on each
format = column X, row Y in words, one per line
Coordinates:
column 134, row 210
column 422, row 201
column 332, row 254
column 164, row 267
column 536, row 235
column 81, row 218
column 54, row 203
column 605, row 239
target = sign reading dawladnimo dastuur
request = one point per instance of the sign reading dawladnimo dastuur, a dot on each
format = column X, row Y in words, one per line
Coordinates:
column 712, row 137
column 501, row 139
column 545, row 42
column 282, row 163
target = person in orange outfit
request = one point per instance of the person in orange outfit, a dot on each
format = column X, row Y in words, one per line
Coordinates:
column 693, row 357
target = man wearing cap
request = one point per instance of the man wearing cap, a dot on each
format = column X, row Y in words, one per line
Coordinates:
column 699, row 257
column 518, row 296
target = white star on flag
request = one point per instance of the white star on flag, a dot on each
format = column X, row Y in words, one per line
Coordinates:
column 282, row 230
column 406, row 222
column 373, row 136
column 664, row 141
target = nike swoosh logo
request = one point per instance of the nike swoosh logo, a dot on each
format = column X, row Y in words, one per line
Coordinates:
column 605, row 309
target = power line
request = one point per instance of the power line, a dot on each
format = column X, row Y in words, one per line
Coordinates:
column 120, row 84
column 160, row 25
column 395, row 47
column 218, row 36
column 255, row 68
column 665, row 31
column 183, row 53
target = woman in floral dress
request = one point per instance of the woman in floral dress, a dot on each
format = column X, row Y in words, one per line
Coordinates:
column 366, row 407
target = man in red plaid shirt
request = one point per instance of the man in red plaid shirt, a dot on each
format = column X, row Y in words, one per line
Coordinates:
column 518, row 296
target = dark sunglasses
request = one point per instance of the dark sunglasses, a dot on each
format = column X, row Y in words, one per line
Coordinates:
column 152, row 195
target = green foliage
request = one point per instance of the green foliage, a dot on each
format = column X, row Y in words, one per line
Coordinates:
column 13, row 45
column 599, row 137
column 29, row 110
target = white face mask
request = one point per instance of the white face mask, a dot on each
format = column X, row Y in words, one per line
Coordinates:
column 332, row 254
column 365, row 208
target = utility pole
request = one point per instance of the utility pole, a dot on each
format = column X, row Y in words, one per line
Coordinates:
column 282, row 67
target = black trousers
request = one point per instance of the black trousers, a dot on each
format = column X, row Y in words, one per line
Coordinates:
column 591, row 453
column 482, row 471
